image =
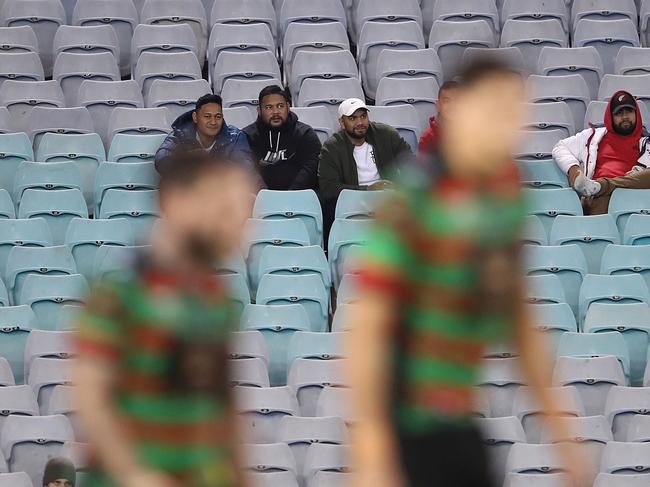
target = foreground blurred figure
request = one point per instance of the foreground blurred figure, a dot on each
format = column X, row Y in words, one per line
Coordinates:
column 153, row 394
column 440, row 280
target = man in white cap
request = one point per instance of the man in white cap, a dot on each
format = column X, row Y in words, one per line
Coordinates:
column 360, row 155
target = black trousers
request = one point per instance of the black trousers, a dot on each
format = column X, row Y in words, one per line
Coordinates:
column 453, row 457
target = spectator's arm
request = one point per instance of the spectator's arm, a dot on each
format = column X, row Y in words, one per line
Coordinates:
column 566, row 152
column 307, row 156
column 165, row 150
column 329, row 175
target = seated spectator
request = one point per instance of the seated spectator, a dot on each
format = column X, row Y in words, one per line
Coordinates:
column 59, row 472
column 286, row 150
column 204, row 128
column 429, row 138
column 360, row 155
column 605, row 152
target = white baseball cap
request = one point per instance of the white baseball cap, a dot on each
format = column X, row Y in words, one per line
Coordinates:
column 351, row 105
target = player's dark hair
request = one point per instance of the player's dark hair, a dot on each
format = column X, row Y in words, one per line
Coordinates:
column 186, row 165
column 274, row 90
column 487, row 67
column 449, row 85
column 208, row 98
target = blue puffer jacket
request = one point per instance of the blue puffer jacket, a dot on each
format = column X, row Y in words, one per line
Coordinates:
column 231, row 143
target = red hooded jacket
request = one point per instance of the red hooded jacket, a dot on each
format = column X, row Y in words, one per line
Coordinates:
column 617, row 153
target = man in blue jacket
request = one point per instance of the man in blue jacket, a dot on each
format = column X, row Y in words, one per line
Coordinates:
column 204, row 128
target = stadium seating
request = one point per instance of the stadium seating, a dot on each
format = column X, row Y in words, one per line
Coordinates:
column 20, row 97
column 571, row 89
column 139, row 207
column 162, row 38
column 176, row 96
column 16, row 148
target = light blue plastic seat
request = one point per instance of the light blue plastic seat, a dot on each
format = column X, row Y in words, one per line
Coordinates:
column 7, row 209
column 357, row 205
column 548, row 204
column 129, row 177
column 534, row 232
column 234, row 264
column 261, row 409
column 345, row 235
column 302, row 205
column 134, row 148
column 84, row 237
column 305, row 290
column 626, row 259
column 591, row 233
column 295, row 261
column 238, row 290
column 309, row 377
column 58, row 208
column 614, row 289
column 259, row 234
column 542, row 175
column 16, row 322
column 14, row 149
column 68, row 318
column 347, row 293
column 537, row 145
column 553, row 319
column 316, row 346
column 46, row 175
column 630, row 320
column 623, row 404
column 277, row 323
column 29, row 233
column 115, row 261
column 139, row 207
column 24, row 261
column 637, row 230
column 47, row 294
column 595, row 345
column 544, row 289
column 626, row 202
column 86, row 151
column 342, row 319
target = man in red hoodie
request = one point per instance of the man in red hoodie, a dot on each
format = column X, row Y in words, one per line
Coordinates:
column 600, row 159
column 430, row 137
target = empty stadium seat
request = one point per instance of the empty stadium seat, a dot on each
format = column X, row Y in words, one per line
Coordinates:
column 244, row 65
column 625, row 458
column 329, row 93
column 136, row 176
column 7, row 209
column 623, row 403
column 20, row 97
column 84, row 237
column 6, row 124
column 532, row 10
column 48, row 344
column 245, row 93
column 271, row 457
column 603, row 10
column 636, row 230
column 139, row 207
column 532, row 37
column 24, row 66
column 238, row 291
column 592, row 377
column 409, row 63
column 326, row 458
column 571, row 89
column 596, row 113
column 607, row 36
column 162, row 38
column 499, row 434
column 541, row 175
column 15, row 479
column 385, row 11
column 626, row 259
column 45, row 374
column 119, row 14
column 421, row 93
column 71, row 69
column 248, row 344
column 58, row 120
column 344, row 235
column 534, row 231
column 16, row 148
column 86, row 40
column 625, row 202
column 321, row 65
column 499, row 380
column 544, row 289
column 251, row 372
column 549, row 116
column 16, row 322
column 134, row 148
column 537, row 144
column 261, row 409
column 403, row 118
column 318, row 118
column 378, row 36
column 547, row 204
column 111, row 260
column 632, row 61
column 47, row 294
column 138, row 121
column 307, row 290
column 534, row 459
column 553, row 319
column 316, row 346
column 295, row 261
column 359, row 205
column 337, row 401
column 589, row 345
column 537, row 479
column 450, row 39
column 244, row 12
column 310, row 12
column 309, row 377
column 644, row 19
column 639, row 429
column 20, row 38
column 614, row 480
column 584, row 61
column 468, row 10
column 179, row 66
column 272, row 479
column 239, row 117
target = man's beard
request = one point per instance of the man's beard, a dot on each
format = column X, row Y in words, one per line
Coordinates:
column 625, row 131
column 355, row 135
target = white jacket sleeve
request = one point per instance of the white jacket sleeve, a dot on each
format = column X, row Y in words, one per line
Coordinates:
column 644, row 157
column 570, row 151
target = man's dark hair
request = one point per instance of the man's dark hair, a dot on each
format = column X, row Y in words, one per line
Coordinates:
column 477, row 71
column 185, row 165
column 449, row 85
column 274, row 90
column 208, row 98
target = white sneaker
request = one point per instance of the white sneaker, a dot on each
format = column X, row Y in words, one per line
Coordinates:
column 585, row 186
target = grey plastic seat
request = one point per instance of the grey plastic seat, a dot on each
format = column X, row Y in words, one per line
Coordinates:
column 637, row 85
column 20, row 97
column 86, row 40
column 499, row 381
column 421, row 93
column 321, row 65
column 24, row 66
column 139, row 207
column 541, row 174
column 536, row 480
column 131, row 177
column 633, row 60
column 468, row 10
column 134, row 148
column 29, row 442
column 329, row 93
column 16, row 323
column 318, row 118
column 337, row 401
column 250, row 372
column 603, row 10
column 271, row 457
column 238, row 38
column 57, row 207
column 162, row 38
column 271, row 479
column 324, row 458
column 244, row 12
column 378, row 36
column 58, row 120
column 592, row 377
column 450, row 40
column 403, row 118
column 245, row 93
column 639, row 429
column 48, row 344
column 499, row 434
column 138, row 121
column 261, row 409
column 169, row 66
column 607, row 36
column 571, row 89
column 47, row 294
column 18, row 39
column 591, row 345
column 623, row 403
column 244, row 66
column 624, row 459
column 534, row 459
column 532, row 10
column 119, row 14
column 644, row 19
column 298, row 37
column 584, row 61
column 15, row 479
column 239, row 117
column 177, row 97
column 17, row 400
column 6, row 124
column 43, row 16
column 310, row 11
column 248, row 344
column 538, row 144
column 175, row 12
column 309, row 377
column 411, row 63
column 614, row 480
column 595, row 114
column 531, row 37
column 71, row 69
column 385, row 11
column 511, row 56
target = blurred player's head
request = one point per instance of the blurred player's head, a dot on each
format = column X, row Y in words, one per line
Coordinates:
column 274, row 106
column 208, row 115
column 482, row 128
column 445, row 98
column 204, row 203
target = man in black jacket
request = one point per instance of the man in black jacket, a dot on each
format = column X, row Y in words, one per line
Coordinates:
column 286, row 149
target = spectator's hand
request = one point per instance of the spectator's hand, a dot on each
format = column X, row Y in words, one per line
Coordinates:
column 380, row 185
column 148, row 478
column 585, row 186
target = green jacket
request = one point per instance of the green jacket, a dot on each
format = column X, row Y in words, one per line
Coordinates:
column 337, row 169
